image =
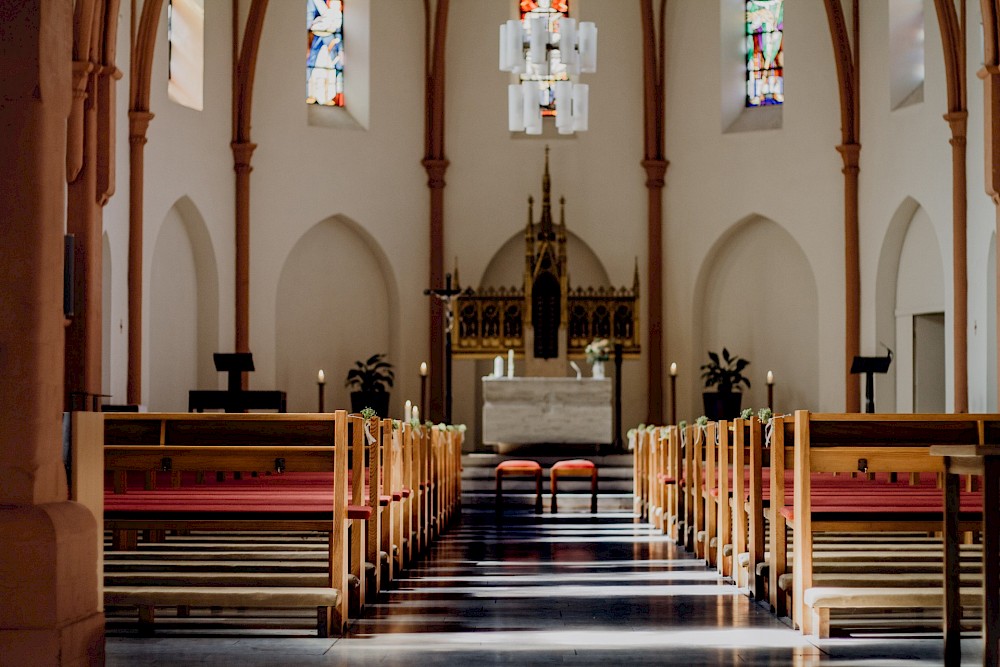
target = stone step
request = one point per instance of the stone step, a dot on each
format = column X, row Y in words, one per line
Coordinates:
column 568, row 502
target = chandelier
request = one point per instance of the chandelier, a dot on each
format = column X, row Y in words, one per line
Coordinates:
column 545, row 48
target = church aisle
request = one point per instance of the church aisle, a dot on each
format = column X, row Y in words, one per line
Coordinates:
column 550, row 589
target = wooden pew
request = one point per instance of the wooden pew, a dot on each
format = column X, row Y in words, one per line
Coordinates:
column 831, row 443
column 209, row 442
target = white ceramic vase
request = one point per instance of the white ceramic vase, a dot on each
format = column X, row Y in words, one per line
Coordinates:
column 597, row 370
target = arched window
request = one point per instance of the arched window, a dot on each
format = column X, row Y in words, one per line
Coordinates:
column 765, row 20
column 186, row 56
column 325, row 56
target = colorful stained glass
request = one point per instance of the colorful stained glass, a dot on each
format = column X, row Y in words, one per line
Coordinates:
column 325, row 58
column 765, row 20
column 553, row 10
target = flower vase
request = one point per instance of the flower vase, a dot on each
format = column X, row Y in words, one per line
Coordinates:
column 597, row 370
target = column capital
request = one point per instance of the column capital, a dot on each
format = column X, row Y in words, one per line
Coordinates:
column 81, row 72
column 655, row 172
column 851, row 154
column 242, row 154
column 959, row 122
column 435, row 172
column 138, row 125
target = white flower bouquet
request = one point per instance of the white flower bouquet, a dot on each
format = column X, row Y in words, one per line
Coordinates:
column 598, row 349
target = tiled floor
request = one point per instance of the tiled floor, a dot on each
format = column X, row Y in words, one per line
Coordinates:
column 563, row 589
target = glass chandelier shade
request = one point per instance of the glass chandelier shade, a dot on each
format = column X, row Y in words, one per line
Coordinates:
column 545, row 49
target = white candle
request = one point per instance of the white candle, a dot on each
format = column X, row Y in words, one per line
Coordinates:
column 770, row 377
column 423, row 369
column 673, row 369
column 510, row 363
column 407, row 411
column 321, row 377
column 498, row 366
column 416, row 414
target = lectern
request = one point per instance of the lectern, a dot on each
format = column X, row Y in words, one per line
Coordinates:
column 869, row 366
column 234, row 399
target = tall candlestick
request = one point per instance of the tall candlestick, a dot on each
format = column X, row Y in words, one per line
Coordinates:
column 407, row 411
column 321, row 383
column 510, row 363
column 423, row 385
column 770, row 390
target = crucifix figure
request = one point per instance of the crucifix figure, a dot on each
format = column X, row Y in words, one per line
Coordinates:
column 447, row 296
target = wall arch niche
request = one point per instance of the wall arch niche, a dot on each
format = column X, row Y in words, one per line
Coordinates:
column 183, row 309
column 756, row 295
column 909, row 303
column 506, row 269
column 337, row 303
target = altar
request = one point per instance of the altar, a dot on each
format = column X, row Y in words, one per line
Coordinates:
column 531, row 410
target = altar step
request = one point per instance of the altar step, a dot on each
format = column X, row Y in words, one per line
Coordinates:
column 614, row 483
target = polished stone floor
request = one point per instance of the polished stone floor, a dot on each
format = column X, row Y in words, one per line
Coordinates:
column 554, row 589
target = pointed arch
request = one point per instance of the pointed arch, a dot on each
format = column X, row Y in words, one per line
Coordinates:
column 183, row 308
column 754, row 275
column 335, row 282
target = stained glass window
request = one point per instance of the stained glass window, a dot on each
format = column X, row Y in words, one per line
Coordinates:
column 765, row 21
column 553, row 10
column 325, row 58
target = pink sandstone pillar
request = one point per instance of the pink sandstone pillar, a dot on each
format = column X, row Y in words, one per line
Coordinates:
column 50, row 614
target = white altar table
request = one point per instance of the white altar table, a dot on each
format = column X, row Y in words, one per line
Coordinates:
column 529, row 410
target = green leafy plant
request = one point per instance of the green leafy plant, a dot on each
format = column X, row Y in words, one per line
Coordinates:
column 747, row 413
column 367, row 413
column 725, row 373
column 764, row 415
column 373, row 376
column 682, row 424
column 701, row 421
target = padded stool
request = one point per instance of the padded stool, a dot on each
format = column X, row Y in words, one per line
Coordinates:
column 514, row 468
column 574, row 468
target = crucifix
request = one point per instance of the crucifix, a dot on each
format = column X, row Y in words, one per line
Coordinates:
column 447, row 296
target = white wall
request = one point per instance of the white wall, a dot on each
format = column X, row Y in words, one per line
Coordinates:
column 369, row 171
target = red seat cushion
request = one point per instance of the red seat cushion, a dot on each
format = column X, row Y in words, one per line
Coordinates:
column 573, row 464
column 514, row 465
column 362, row 512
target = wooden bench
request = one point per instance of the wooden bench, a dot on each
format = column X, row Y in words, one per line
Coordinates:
column 282, row 444
column 866, row 444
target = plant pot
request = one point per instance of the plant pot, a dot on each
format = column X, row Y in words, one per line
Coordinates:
column 720, row 405
column 377, row 401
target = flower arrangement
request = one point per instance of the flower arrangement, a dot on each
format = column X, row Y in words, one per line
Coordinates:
column 598, row 349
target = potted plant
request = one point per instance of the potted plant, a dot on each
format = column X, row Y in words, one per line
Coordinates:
column 726, row 374
column 370, row 381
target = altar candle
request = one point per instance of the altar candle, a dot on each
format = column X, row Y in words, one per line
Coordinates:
column 498, row 366
column 770, row 377
column 510, row 363
column 673, row 369
column 416, row 414
column 321, row 377
column 407, row 409
column 423, row 369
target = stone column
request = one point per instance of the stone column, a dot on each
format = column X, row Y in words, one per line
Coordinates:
column 435, row 184
column 83, row 336
column 655, row 171
column 50, row 613
column 958, row 121
column 852, row 274
column 138, row 125
column 242, row 153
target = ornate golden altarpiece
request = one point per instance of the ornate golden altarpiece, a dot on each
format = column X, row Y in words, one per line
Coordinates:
column 547, row 318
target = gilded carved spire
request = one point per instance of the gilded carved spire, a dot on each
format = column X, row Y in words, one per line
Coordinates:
column 546, row 222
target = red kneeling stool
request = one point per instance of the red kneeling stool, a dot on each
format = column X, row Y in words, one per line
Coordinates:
column 574, row 468
column 514, row 468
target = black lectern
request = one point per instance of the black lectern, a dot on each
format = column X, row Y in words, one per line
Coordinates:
column 234, row 399
column 869, row 366
column 234, row 363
